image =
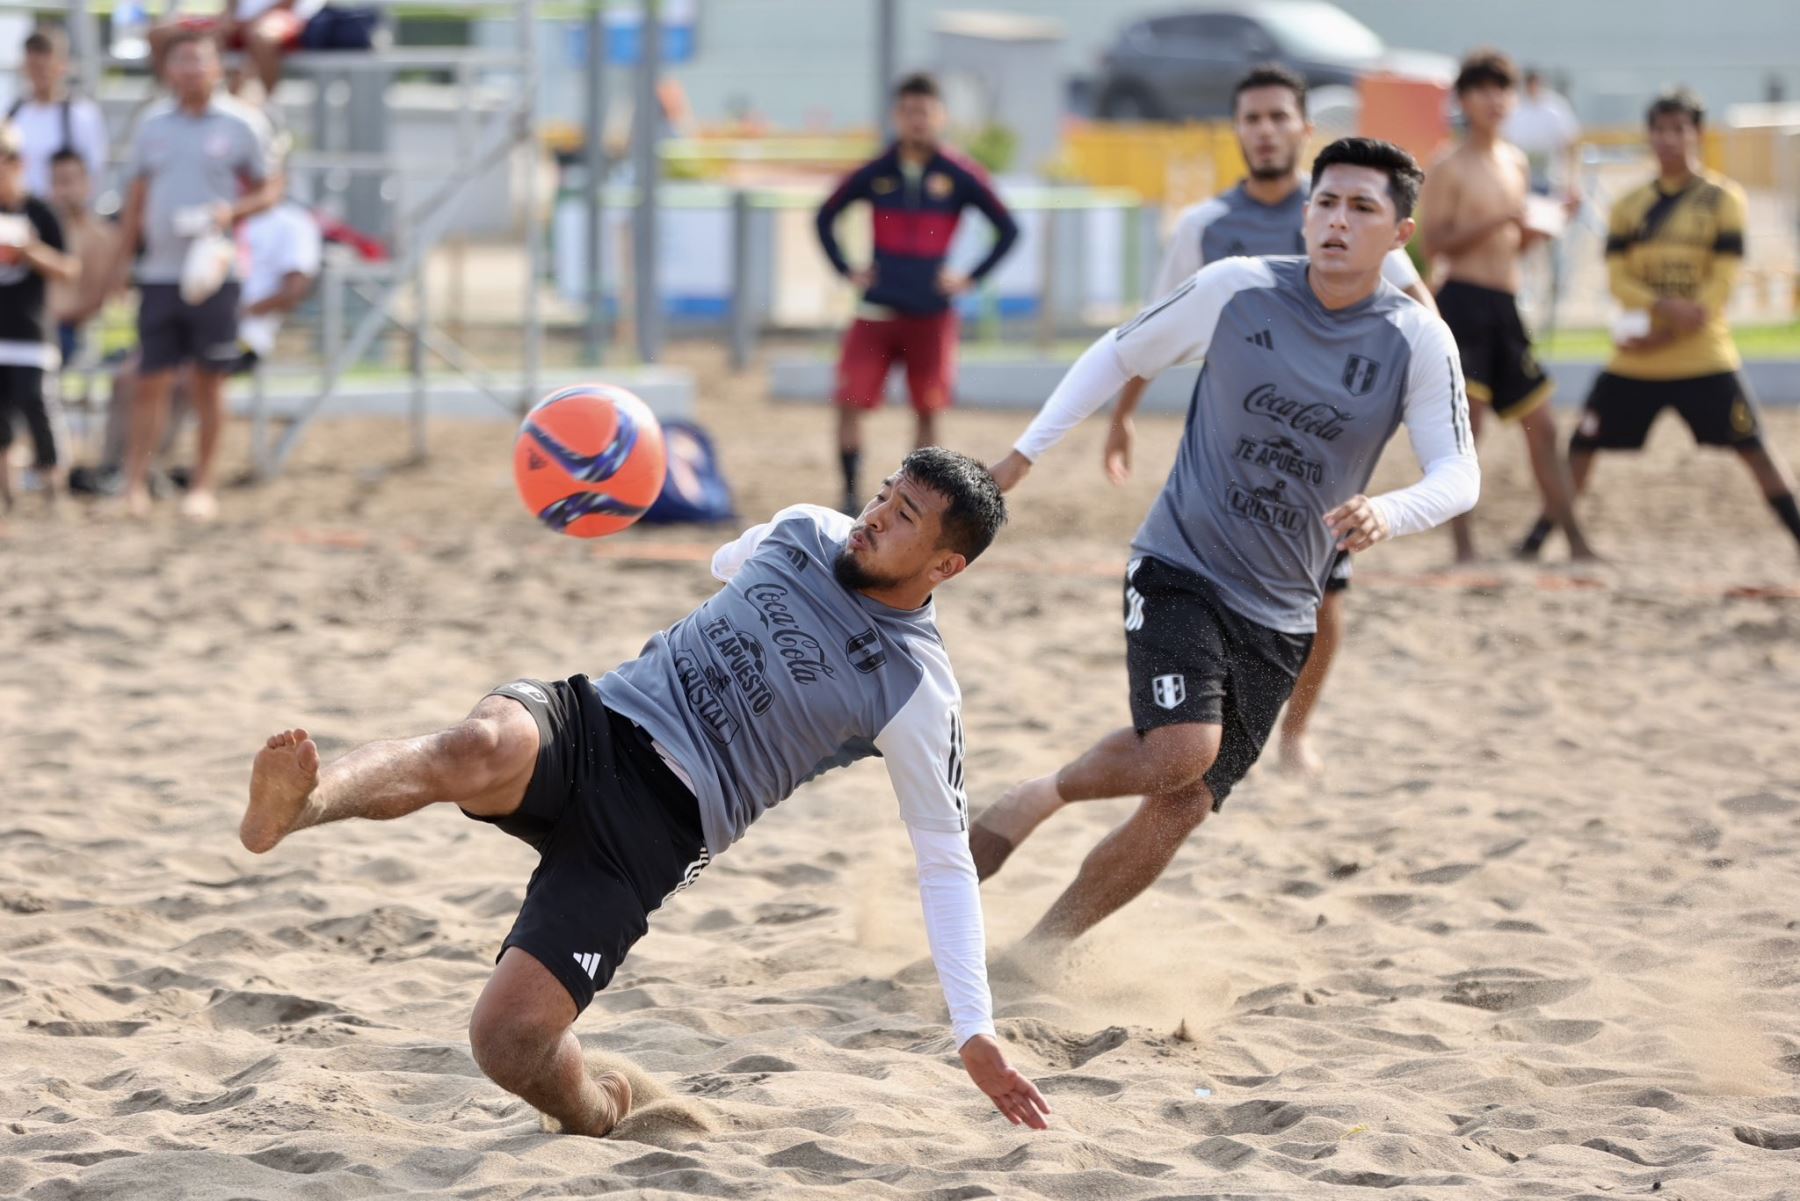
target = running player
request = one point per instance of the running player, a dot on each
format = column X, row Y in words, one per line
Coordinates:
column 1311, row 365
column 917, row 190
column 1262, row 215
column 1673, row 251
column 821, row 648
column 1474, row 218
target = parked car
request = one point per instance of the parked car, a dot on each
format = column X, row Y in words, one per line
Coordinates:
column 1184, row 64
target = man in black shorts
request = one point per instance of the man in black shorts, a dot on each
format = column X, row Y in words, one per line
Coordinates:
column 822, row 648
column 31, row 254
column 1474, row 217
column 1674, row 248
column 197, row 168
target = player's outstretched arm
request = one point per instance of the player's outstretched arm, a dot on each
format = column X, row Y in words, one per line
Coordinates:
column 1436, row 412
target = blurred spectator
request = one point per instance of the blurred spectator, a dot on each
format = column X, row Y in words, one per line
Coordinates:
column 281, row 252
column 49, row 117
column 91, row 241
column 31, row 253
column 266, row 30
column 1543, row 125
column 196, row 168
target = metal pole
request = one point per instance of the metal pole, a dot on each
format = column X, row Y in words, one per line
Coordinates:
column 648, row 122
column 416, row 356
column 534, row 231
column 593, row 341
column 90, row 56
column 887, row 63
column 743, row 309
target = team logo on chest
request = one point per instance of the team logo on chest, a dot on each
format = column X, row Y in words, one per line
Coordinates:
column 865, row 652
column 1360, row 374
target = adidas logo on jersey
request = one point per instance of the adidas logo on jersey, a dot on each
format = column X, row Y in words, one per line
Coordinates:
column 1262, row 338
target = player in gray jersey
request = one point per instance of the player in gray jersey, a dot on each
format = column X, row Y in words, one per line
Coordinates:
column 821, row 648
column 1311, row 365
column 1262, row 215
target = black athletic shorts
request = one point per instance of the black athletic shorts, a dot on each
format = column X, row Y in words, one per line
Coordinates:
column 1717, row 408
column 1338, row 578
column 1498, row 366
column 1191, row 659
column 617, row 833
column 172, row 332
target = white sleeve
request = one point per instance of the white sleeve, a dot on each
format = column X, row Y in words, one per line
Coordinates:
column 1436, row 412
column 1397, row 268
column 733, row 555
column 1176, row 329
column 304, row 247
column 922, row 746
column 951, row 896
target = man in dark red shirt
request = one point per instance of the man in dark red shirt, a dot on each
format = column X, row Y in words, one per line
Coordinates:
column 917, row 190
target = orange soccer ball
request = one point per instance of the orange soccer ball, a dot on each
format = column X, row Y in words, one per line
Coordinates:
column 589, row 460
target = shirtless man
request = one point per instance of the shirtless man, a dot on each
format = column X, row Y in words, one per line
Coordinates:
column 1473, row 216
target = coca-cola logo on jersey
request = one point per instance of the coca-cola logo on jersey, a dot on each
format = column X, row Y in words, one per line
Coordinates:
column 1314, row 418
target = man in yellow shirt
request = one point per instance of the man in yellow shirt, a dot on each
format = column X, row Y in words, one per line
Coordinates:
column 1673, row 251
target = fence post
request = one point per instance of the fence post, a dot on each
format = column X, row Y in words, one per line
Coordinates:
column 743, row 304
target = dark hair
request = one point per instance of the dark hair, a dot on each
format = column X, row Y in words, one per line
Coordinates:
column 1679, row 100
column 1533, row 75
column 1271, row 75
column 976, row 510
column 1404, row 175
column 179, row 37
column 917, row 84
column 68, row 154
column 46, row 39
column 1485, row 68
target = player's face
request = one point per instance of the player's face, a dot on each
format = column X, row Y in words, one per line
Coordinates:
column 1350, row 220
column 193, row 69
column 1675, row 140
column 1270, row 130
column 69, row 190
column 919, row 120
column 895, row 539
column 1487, row 106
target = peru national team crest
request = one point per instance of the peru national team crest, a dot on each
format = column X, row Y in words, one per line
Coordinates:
column 1360, row 374
column 1168, row 691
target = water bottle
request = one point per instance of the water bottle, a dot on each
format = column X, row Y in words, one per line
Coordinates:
column 130, row 29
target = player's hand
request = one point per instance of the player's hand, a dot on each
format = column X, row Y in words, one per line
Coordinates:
column 864, row 279
column 1010, row 470
column 953, row 283
column 1572, row 204
column 1117, row 459
column 1014, row 1096
column 1356, row 525
column 221, row 215
column 1685, row 316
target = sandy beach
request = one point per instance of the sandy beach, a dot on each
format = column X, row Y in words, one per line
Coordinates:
column 1537, row 934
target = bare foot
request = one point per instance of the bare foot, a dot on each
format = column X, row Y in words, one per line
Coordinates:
column 1297, row 758
column 281, row 780
column 1010, row 820
column 200, row 505
column 615, row 1103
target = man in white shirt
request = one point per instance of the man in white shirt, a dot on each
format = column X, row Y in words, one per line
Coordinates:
column 49, row 118
column 1544, row 127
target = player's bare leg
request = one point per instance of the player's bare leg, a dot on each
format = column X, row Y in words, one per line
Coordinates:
column 926, row 433
column 522, row 1036
column 1581, row 470
column 1776, row 482
column 1125, row 862
column 1296, row 751
column 1166, row 760
column 482, row 764
column 1554, row 480
column 1462, row 527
